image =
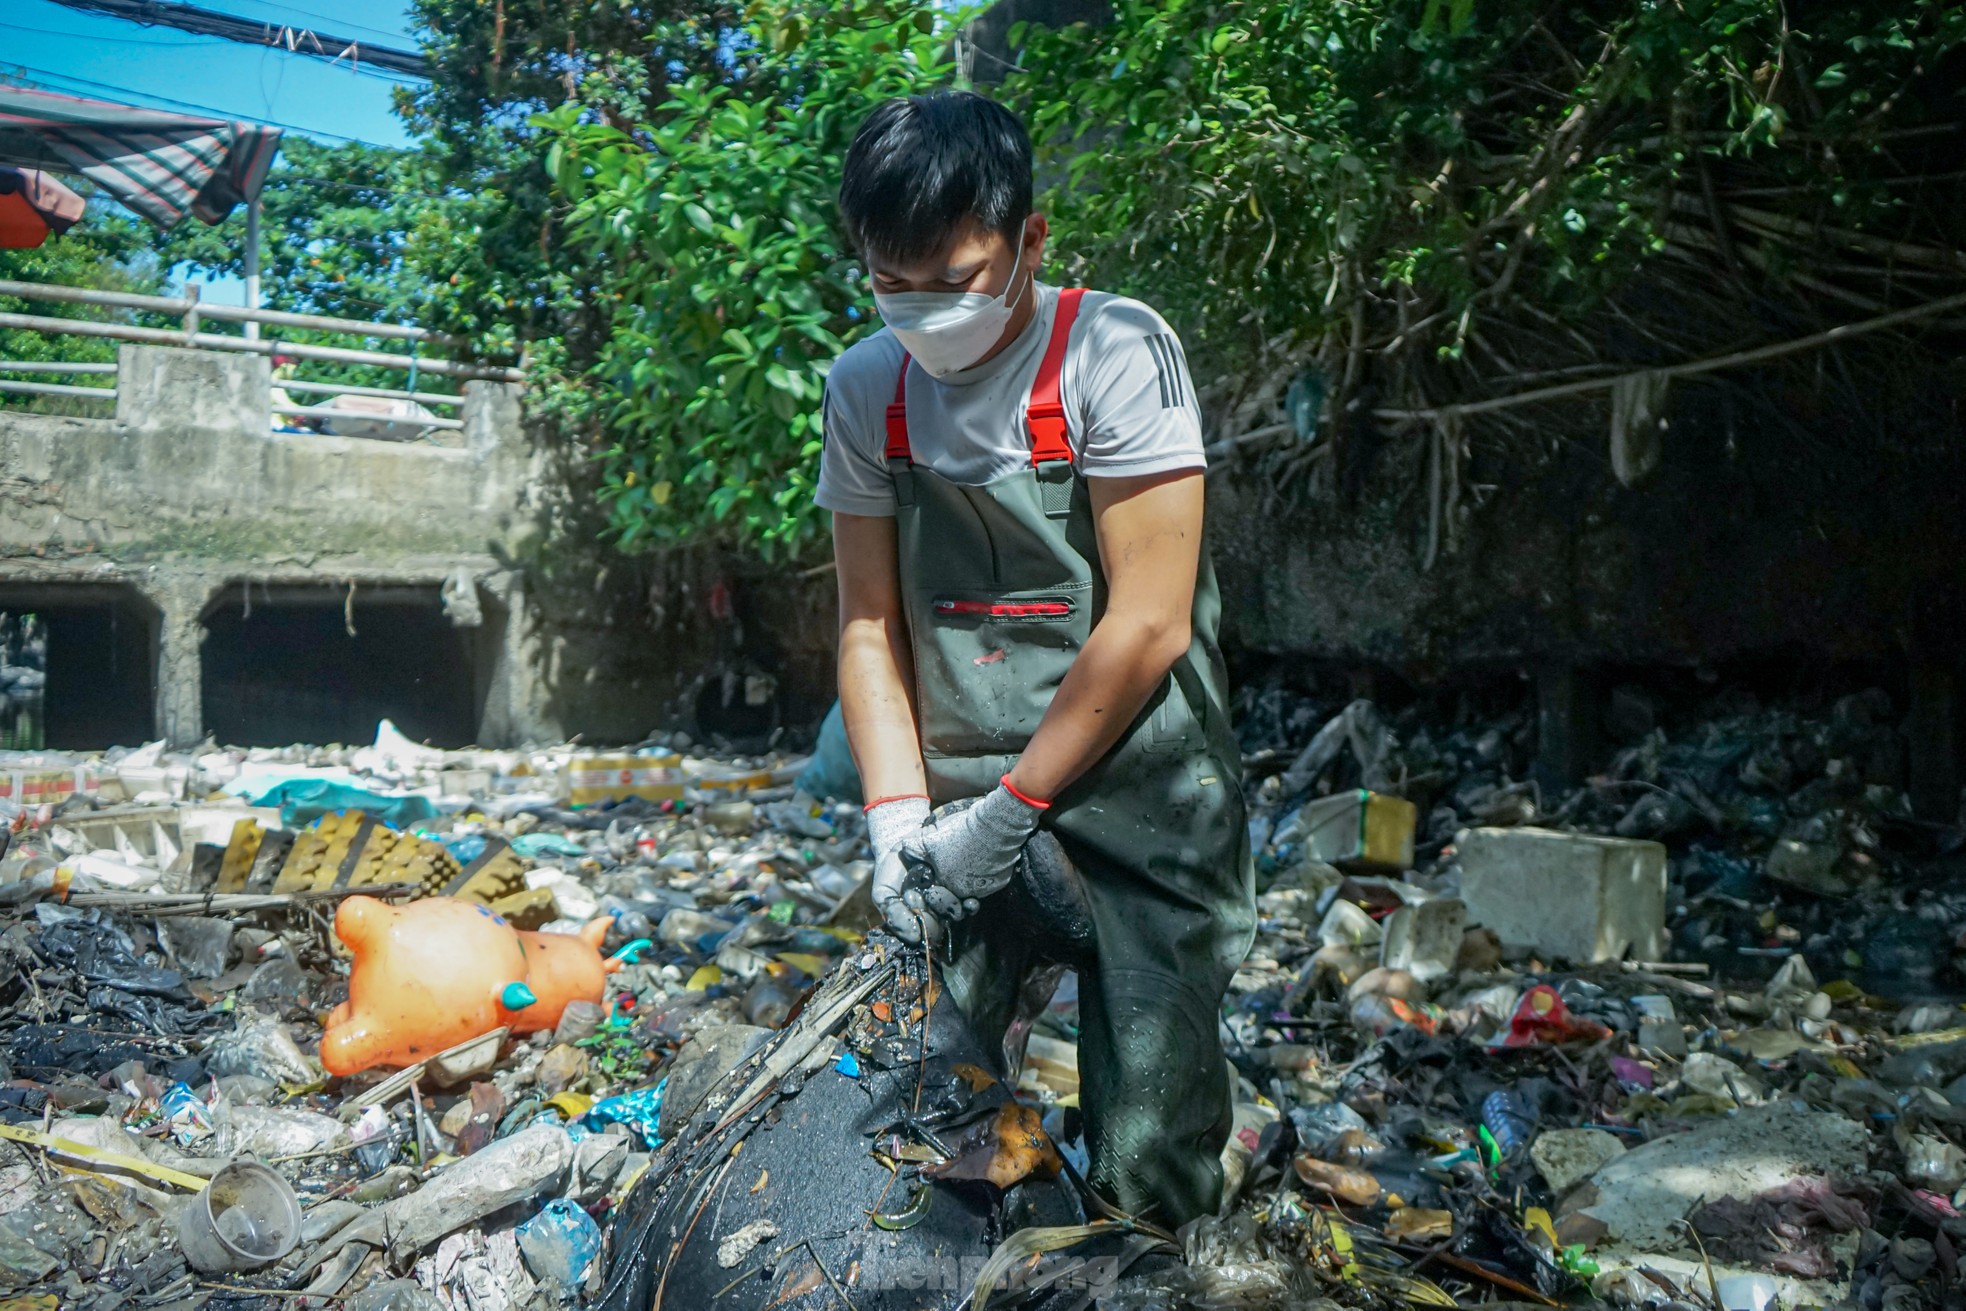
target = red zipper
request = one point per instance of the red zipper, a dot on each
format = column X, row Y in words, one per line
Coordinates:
column 1004, row 609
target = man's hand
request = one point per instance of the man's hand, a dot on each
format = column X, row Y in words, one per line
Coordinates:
column 893, row 820
column 960, row 857
column 890, row 822
column 910, row 923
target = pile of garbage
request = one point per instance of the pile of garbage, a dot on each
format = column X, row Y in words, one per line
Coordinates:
column 1686, row 1034
column 398, row 1028
column 388, row 1027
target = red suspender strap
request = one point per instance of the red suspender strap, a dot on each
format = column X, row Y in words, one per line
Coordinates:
column 897, row 417
column 1047, row 413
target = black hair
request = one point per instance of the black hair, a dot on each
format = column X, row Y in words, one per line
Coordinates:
column 922, row 165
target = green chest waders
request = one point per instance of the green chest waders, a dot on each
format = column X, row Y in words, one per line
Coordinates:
column 1002, row 585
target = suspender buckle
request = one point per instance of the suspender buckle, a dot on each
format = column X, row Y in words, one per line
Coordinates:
column 1056, row 479
column 1048, row 432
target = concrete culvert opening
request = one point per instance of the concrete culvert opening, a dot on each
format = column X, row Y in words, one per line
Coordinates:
column 77, row 666
column 286, row 664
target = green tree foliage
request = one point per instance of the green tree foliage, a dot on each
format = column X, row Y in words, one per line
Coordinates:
column 353, row 231
column 497, row 64
column 360, row 232
column 108, row 251
column 731, row 285
column 1379, row 180
column 1416, row 199
column 1346, row 194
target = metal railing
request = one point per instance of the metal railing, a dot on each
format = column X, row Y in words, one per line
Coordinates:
column 191, row 311
column 56, row 388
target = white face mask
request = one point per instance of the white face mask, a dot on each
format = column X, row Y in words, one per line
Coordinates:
column 947, row 331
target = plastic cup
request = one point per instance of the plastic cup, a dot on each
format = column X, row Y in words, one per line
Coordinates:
column 581, row 1019
column 245, row 1218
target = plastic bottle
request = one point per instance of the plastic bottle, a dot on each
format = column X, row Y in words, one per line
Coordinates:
column 510, row 1170
column 581, row 1019
column 1508, row 1120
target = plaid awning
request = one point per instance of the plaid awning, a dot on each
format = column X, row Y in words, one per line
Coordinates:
column 161, row 165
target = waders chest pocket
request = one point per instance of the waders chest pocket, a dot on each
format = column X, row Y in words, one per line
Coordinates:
column 1037, row 609
column 987, row 662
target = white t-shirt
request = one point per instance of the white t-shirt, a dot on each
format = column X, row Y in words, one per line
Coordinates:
column 1129, row 406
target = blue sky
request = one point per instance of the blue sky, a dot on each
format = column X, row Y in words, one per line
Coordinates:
column 46, row 45
column 108, row 59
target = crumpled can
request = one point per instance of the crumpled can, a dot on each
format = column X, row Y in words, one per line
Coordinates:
column 639, row 1110
column 186, row 1114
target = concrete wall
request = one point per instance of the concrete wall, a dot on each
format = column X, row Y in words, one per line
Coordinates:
column 187, row 493
column 1784, row 528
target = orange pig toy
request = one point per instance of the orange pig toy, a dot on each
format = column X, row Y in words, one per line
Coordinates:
column 434, row 973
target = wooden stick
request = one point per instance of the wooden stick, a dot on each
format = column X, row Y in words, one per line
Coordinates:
column 226, row 903
column 1755, row 355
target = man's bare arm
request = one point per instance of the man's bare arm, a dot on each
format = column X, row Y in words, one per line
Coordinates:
column 1149, row 531
column 877, row 675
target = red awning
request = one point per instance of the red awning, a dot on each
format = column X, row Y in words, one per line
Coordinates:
column 32, row 205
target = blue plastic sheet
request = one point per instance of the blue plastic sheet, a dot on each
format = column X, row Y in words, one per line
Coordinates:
column 304, row 800
column 831, row 774
column 535, row 845
column 559, row 1243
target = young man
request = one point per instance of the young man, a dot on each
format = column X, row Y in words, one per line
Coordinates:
column 1027, row 616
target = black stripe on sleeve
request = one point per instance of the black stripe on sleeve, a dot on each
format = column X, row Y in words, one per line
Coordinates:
column 1169, row 382
column 1184, row 387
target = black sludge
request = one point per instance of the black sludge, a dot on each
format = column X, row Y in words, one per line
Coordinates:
column 767, row 1197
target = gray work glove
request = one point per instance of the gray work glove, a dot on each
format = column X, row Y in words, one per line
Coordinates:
column 889, row 824
column 910, row 923
column 959, row 857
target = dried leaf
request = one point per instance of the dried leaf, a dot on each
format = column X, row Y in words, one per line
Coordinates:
column 808, row 1280
column 1006, row 1150
column 1413, row 1224
column 1352, row 1186
column 487, row 1106
column 975, row 1076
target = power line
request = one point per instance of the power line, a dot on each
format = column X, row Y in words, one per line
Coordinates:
column 116, row 40
column 345, row 22
column 42, row 73
column 258, row 32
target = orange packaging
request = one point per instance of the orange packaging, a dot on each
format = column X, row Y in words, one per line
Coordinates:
column 438, row 972
column 595, row 778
